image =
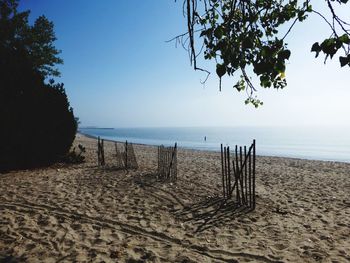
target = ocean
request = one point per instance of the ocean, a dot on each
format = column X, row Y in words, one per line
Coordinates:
column 317, row 143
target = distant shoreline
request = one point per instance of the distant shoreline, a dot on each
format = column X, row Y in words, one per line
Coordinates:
column 92, row 127
column 109, row 140
column 217, row 151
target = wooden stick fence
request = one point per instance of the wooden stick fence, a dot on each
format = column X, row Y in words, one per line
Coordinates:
column 100, row 152
column 124, row 160
column 241, row 175
column 119, row 157
column 127, row 159
column 130, row 161
column 167, row 163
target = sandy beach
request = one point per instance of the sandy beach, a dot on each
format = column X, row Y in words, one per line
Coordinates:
column 83, row 213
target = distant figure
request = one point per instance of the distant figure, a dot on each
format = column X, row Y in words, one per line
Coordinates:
column 205, row 138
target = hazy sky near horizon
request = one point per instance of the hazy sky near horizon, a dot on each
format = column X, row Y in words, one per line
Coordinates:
column 118, row 71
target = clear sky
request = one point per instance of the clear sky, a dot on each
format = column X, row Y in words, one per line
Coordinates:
column 118, row 71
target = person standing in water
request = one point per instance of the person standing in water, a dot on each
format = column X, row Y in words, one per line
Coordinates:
column 205, row 138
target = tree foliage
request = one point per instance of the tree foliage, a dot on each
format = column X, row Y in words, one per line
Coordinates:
column 246, row 36
column 37, row 40
column 37, row 122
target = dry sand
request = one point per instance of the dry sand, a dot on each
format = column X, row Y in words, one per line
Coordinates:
column 82, row 213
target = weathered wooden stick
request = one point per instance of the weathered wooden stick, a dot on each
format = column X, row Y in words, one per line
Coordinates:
column 166, row 164
column 158, row 160
column 163, row 162
column 229, row 172
column 241, row 173
column 250, row 177
column 222, row 172
column 234, row 174
column 171, row 161
column 116, row 152
column 126, row 155
column 238, row 198
column 103, row 152
column 245, row 176
column 254, row 202
column 98, row 151
column 225, row 166
column 176, row 161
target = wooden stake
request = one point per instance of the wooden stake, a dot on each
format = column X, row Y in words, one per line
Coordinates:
column 222, row 172
column 229, row 173
column 98, row 151
column 245, row 175
column 238, row 198
column 254, row 202
column 250, row 177
column 126, row 155
column 241, row 173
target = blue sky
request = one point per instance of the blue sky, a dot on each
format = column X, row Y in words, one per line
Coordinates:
column 118, row 71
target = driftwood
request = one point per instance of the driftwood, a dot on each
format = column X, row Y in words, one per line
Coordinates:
column 242, row 175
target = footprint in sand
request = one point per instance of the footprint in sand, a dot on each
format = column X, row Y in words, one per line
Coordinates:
column 280, row 246
column 143, row 223
column 139, row 255
column 76, row 226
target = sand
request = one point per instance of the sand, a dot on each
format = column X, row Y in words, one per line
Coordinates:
column 82, row 213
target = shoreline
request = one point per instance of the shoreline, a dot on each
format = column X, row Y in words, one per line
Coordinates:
column 218, row 151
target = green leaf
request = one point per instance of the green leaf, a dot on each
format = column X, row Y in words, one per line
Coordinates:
column 218, row 32
column 315, row 47
column 344, row 61
column 247, row 43
column 344, row 39
column 220, row 70
column 280, row 67
column 285, row 54
column 329, row 46
column 309, row 8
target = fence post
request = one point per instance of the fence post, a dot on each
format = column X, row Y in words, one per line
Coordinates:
column 98, row 150
column 229, row 173
column 250, row 176
column 222, row 172
column 103, row 152
column 126, row 155
column 241, row 173
column 254, row 202
column 238, row 198
column 175, row 165
column 245, row 175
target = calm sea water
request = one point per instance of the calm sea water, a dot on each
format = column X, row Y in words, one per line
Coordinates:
column 309, row 143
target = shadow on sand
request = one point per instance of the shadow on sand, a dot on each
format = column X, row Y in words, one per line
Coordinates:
column 211, row 212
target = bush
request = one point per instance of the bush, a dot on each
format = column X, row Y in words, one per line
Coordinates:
column 37, row 123
column 74, row 157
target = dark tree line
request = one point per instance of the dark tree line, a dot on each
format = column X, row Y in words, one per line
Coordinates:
column 37, row 122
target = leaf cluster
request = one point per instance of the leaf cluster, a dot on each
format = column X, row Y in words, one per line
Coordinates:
column 247, row 36
column 37, row 39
